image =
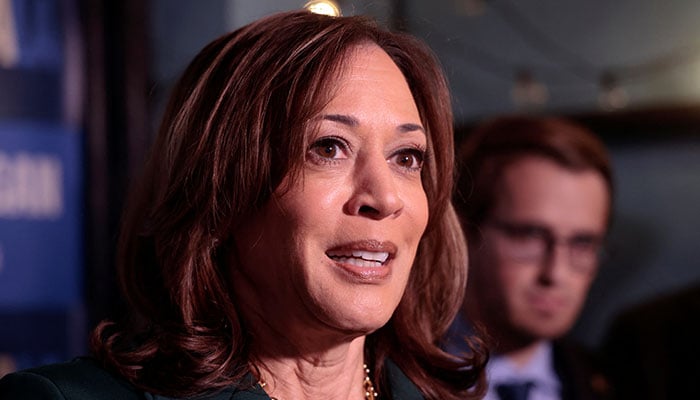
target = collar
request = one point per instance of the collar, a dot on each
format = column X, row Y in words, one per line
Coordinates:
column 540, row 370
column 401, row 387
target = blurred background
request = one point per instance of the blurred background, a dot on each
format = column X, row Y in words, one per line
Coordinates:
column 83, row 84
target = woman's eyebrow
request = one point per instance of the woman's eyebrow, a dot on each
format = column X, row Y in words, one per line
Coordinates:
column 410, row 127
column 341, row 119
column 353, row 122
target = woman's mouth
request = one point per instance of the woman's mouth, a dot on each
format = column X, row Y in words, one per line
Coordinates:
column 366, row 259
column 361, row 258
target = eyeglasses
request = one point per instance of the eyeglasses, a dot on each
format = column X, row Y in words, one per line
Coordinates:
column 532, row 243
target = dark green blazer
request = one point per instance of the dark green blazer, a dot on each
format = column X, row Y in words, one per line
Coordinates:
column 83, row 379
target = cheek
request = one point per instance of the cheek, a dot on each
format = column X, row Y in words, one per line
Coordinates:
column 315, row 198
column 497, row 280
column 579, row 287
column 514, row 280
column 503, row 274
column 420, row 213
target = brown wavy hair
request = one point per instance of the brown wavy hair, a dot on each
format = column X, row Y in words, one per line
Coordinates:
column 233, row 129
column 500, row 141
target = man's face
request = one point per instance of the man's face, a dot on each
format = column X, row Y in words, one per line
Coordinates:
column 538, row 256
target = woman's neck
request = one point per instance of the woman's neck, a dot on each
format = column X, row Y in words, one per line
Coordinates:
column 335, row 373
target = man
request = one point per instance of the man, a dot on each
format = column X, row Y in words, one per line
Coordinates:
column 535, row 198
column 651, row 348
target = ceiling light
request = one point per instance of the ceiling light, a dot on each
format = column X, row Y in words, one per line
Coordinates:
column 527, row 92
column 323, row 7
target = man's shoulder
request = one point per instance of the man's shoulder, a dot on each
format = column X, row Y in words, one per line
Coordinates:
column 573, row 351
column 579, row 370
column 79, row 379
column 673, row 308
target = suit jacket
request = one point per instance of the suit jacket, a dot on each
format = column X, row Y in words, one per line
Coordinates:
column 579, row 372
column 577, row 368
column 83, row 379
column 652, row 351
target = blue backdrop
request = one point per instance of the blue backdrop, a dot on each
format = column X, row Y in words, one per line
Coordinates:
column 40, row 242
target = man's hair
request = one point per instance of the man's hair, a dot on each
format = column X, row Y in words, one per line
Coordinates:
column 497, row 143
column 235, row 126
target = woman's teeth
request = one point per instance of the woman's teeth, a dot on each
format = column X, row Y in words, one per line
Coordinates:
column 361, row 258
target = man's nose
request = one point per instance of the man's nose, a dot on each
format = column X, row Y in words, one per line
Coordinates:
column 555, row 263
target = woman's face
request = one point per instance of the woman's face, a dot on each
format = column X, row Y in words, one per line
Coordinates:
column 335, row 249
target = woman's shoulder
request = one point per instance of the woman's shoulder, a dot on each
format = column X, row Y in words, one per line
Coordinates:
column 79, row 379
column 83, row 379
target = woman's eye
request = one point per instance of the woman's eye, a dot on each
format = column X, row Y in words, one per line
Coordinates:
column 330, row 148
column 410, row 159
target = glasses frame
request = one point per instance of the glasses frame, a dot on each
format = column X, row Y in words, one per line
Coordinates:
column 528, row 242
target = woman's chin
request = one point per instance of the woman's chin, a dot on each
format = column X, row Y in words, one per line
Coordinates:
column 361, row 323
column 357, row 312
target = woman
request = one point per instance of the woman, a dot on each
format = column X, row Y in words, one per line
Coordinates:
column 293, row 234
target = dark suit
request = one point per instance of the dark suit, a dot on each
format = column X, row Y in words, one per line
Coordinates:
column 652, row 351
column 579, row 373
column 83, row 379
column 576, row 368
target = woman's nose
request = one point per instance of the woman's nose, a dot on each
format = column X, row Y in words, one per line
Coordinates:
column 375, row 192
